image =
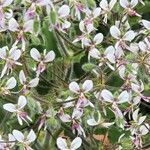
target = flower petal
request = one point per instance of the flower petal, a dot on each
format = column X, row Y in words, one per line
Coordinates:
column 61, row 143
column 34, row 82
column 9, row 107
column 87, row 86
column 92, row 122
column 107, row 96
column 76, row 143
column 124, row 3
column 22, row 101
column 50, row 56
column 3, row 52
column 98, row 38
column 13, row 25
column 104, row 4
column 96, row 12
column 22, row 77
column 146, row 24
column 129, row 36
column 95, row 53
column 134, row 3
column 31, row 136
column 63, row 11
column 74, row 87
column 35, row 54
column 115, row 32
column 18, row 135
column 112, row 3
column 123, row 97
column 11, row 83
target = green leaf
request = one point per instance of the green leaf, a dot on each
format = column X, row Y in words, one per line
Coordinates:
column 87, row 67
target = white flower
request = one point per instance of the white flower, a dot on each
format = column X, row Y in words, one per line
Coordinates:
column 107, row 7
column 75, row 144
column 25, row 141
column 62, row 23
column 33, row 83
column 18, row 109
column 42, row 60
column 108, row 97
column 86, row 87
column 10, row 58
column 129, row 7
column 121, row 40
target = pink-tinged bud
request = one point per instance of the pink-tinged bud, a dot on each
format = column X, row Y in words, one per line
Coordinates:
column 41, row 67
column 23, row 115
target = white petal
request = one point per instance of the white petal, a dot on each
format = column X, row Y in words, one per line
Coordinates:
column 124, row 3
column 6, row 2
column 4, row 71
column 107, row 95
column 146, row 24
column 104, row 4
column 63, row 11
column 11, row 83
column 19, row 120
column 144, row 130
column 81, row 26
column 141, row 120
column 65, row 118
column 18, row 135
column 123, row 97
column 22, row 101
column 76, row 143
column 87, row 86
column 11, row 137
column 98, row 38
column 94, row 53
column 22, row 77
column 50, row 56
column 115, row 32
column 31, row 136
column 3, row 52
column 112, row 3
column 33, row 82
column 129, row 36
column 135, row 115
column 96, row 12
column 28, row 26
column 61, row 143
column 86, row 41
column 43, row 2
column 35, row 54
column 15, row 54
column 134, row 3
column 135, row 87
column 110, row 54
column 9, row 107
column 90, row 28
column 77, row 113
column 13, row 25
column 143, row 46
column 74, row 87
column 66, row 24
column 92, row 122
